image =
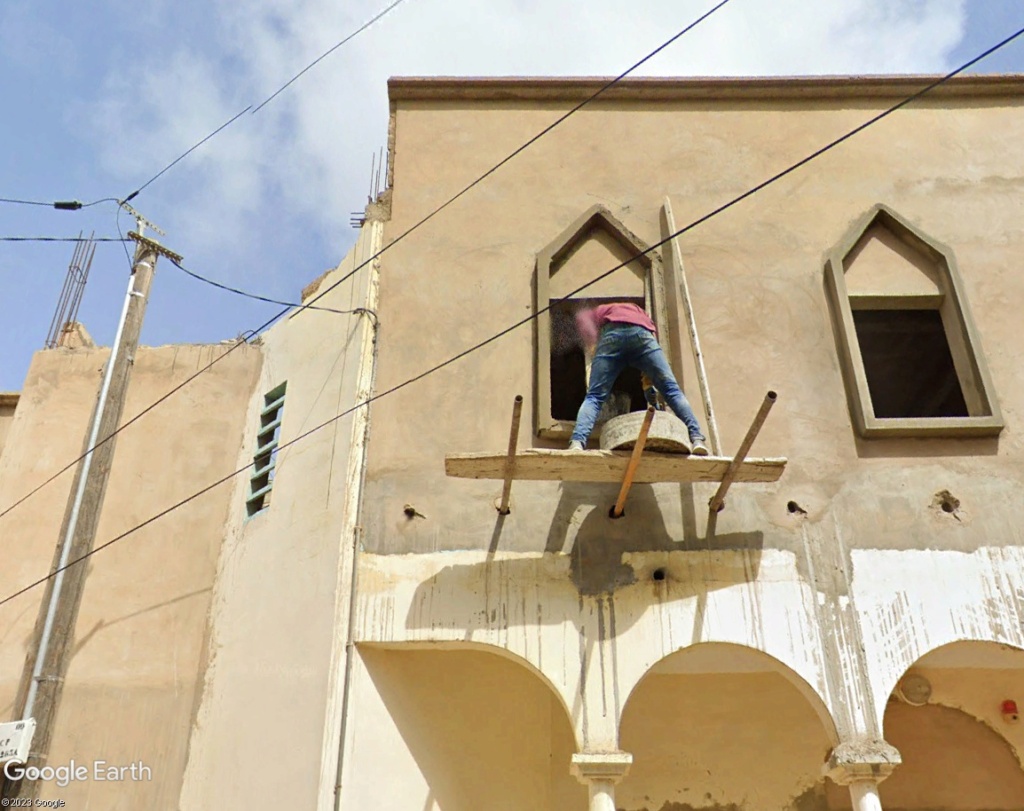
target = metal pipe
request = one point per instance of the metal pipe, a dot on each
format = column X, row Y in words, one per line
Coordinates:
column 367, row 381
column 634, row 462
column 66, row 543
column 510, row 461
column 718, row 499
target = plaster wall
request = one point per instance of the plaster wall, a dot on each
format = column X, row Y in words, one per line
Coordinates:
column 832, row 570
column 463, row 730
column 693, row 739
column 139, row 648
column 267, row 725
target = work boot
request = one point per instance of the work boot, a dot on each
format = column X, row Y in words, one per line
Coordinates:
column 576, row 445
column 699, row 448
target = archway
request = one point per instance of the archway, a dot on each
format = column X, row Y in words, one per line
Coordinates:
column 945, row 718
column 456, row 728
column 721, row 726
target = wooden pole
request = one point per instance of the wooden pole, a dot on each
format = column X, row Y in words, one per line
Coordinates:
column 510, row 460
column 718, row 499
column 702, row 375
column 634, row 461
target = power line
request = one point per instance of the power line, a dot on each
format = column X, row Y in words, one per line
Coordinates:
column 62, row 239
column 262, row 104
column 60, row 205
column 321, row 294
column 529, row 143
column 325, row 54
column 186, row 153
column 290, row 305
column 715, row 212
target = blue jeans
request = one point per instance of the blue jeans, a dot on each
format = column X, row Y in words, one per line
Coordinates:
column 623, row 345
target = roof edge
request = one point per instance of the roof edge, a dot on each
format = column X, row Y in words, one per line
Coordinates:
column 453, row 88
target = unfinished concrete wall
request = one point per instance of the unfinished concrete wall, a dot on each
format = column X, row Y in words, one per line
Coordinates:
column 140, row 646
column 848, row 569
column 8, row 402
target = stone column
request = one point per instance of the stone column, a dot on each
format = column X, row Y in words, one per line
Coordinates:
column 861, row 766
column 601, row 771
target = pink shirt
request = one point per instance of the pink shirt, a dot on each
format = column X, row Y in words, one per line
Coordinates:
column 589, row 322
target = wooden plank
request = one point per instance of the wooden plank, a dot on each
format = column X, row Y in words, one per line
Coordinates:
column 609, row 466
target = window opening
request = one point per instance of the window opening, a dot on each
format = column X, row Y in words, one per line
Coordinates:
column 594, row 242
column 909, row 352
column 908, row 364
column 265, row 459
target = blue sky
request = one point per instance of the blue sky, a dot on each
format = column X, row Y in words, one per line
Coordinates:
column 99, row 97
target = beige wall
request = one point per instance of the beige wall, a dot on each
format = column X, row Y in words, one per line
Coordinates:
column 849, row 590
column 268, row 724
column 456, row 730
column 135, row 674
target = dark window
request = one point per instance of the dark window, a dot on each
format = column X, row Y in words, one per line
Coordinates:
column 908, row 364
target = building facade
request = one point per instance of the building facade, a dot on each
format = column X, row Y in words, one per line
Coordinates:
column 371, row 633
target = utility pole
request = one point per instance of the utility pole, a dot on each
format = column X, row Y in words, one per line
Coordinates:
column 47, row 661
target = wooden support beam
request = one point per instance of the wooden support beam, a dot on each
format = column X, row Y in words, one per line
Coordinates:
column 510, row 460
column 634, row 461
column 717, row 502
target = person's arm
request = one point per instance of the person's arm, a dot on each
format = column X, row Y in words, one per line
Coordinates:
column 587, row 329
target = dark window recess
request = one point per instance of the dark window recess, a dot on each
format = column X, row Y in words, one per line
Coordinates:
column 908, row 364
column 568, row 369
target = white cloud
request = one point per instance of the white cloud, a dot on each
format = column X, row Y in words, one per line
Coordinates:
column 256, row 193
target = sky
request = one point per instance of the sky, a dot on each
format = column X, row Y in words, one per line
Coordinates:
column 99, row 97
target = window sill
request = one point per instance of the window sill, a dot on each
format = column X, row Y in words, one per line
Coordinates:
column 950, row 427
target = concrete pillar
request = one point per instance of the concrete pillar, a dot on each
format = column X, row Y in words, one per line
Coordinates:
column 864, row 794
column 600, row 772
column 861, row 766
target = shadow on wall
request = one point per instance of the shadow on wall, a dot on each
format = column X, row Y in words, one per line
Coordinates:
column 597, row 544
column 483, row 732
column 627, row 564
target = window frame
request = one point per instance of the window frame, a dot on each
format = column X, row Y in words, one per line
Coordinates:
column 962, row 336
column 545, row 425
column 268, row 435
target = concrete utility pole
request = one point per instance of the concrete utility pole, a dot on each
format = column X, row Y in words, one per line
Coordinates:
column 47, row 661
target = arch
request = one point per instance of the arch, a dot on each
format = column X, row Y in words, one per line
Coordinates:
column 723, row 725
column 985, row 652
column 944, row 716
column 593, row 243
column 732, row 656
column 910, row 353
column 484, row 647
column 457, row 725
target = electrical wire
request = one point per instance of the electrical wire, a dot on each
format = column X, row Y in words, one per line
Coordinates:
column 268, row 323
column 715, row 212
column 62, row 239
column 325, row 54
column 288, row 304
column 265, row 102
column 526, row 145
column 185, row 154
column 60, row 205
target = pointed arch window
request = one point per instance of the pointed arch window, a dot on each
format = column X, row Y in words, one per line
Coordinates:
column 596, row 242
column 910, row 353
